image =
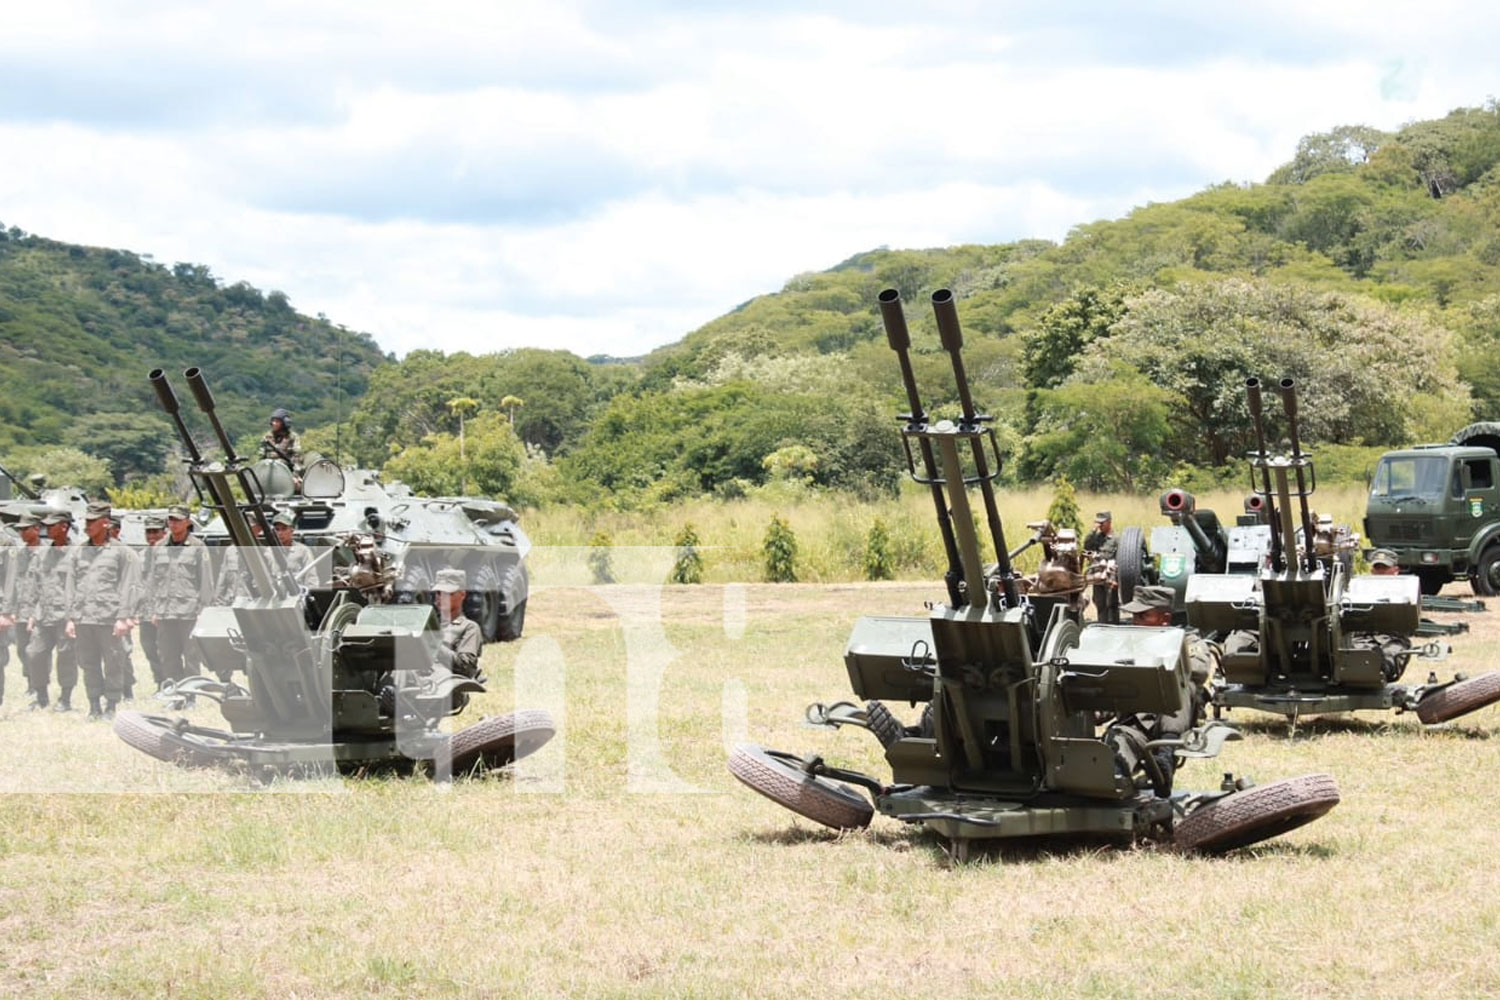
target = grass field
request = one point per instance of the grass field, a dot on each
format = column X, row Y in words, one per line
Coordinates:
column 623, row 860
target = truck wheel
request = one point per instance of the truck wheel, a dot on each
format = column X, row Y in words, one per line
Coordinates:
column 1256, row 814
column 818, row 799
column 1486, row 579
column 1132, row 562
column 1432, row 581
column 1457, row 699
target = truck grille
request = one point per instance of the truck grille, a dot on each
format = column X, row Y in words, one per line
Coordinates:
column 1402, row 531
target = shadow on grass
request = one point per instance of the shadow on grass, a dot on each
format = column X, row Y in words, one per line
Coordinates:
column 1335, row 725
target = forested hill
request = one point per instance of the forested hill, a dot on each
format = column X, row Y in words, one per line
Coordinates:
column 81, row 326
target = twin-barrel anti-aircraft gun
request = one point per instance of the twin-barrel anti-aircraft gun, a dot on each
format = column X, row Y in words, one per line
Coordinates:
column 334, row 678
column 1033, row 723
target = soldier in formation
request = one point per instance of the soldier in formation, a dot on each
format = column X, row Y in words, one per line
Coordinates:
column 45, row 604
column 99, row 610
column 180, row 585
column 156, row 530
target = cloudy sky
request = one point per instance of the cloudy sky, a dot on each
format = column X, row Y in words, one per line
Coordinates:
column 607, row 176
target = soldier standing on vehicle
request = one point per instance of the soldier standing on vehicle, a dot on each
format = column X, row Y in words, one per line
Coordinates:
column 280, row 442
column 99, row 612
column 181, row 585
column 156, row 530
column 49, row 592
column 462, row 640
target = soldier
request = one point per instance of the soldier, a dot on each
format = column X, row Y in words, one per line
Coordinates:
column 10, row 551
column 121, row 649
column 1152, row 605
column 298, row 556
column 234, row 578
column 30, row 531
column 156, row 530
column 99, row 610
column 1383, row 562
column 462, row 640
column 49, row 593
column 181, row 585
column 280, row 442
column 1100, row 548
column 1101, row 543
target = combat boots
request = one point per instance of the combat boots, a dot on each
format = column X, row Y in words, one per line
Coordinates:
column 38, row 700
column 109, row 708
column 95, row 712
column 64, row 701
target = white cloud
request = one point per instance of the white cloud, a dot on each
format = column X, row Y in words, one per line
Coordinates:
column 483, row 175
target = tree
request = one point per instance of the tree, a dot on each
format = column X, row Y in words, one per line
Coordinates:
column 435, row 467
column 134, row 445
column 460, row 406
column 510, row 404
column 71, row 467
column 1108, row 434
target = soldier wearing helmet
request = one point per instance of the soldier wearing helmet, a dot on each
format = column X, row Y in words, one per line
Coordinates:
column 280, row 442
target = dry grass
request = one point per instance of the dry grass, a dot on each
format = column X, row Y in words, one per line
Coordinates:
column 503, row 887
column 831, row 528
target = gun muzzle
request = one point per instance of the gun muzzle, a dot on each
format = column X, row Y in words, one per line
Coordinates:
column 1254, row 504
column 1178, row 502
column 894, row 319
column 1252, row 390
column 199, row 389
column 164, row 393
column 1289, row 399
column 947, row 320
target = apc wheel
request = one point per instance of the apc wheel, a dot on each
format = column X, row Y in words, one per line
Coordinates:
column 508, row 628
column 883, row 724
column 1131, row 562
column 1460, row 699
column 496, row 742
column 1257, row 814
column 486, row 603
column 818, row 799
column 1486, row 579
column 145, row 733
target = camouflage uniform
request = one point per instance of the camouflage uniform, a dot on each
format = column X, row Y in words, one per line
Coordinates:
column 48, row 596
column 462, row 640
column 11, row 550
column 1100, row 544
column 141, row 596
column 100, row 599
column 181, row 585
column 284, row 446
column 20, row 559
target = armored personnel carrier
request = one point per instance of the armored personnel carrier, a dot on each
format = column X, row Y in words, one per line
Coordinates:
column 1033, row 725
column 417, row 536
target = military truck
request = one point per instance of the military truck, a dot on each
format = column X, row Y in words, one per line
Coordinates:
column 1032, row 725
column 1438, row 508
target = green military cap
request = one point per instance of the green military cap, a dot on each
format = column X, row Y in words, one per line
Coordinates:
column 1102, row 516
column 98, row 509
column 284, row 517
column 450, row 580
column 58, row 517
column 155, row 522
column 1147, row 599
column 28, row 520
column 1384, row 557
column 179, row 511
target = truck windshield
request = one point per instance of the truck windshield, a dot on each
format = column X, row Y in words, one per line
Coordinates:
column 1410, row 477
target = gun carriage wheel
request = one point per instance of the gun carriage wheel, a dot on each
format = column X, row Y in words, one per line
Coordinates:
column 883, row 724
column 1459, row 699
column 1256, row 814
column 495, row 742
column 781, row 778
column 1131, row 563
column 145, row 733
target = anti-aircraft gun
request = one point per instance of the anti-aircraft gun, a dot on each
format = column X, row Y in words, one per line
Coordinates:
column 1032, row 726
column 364, row 688
column 1304, row 636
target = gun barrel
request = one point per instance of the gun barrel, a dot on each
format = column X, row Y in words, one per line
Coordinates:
column 205, row 400
column 168, row 400
column 1289, row 403
column 1252, row 391
column 897, row 335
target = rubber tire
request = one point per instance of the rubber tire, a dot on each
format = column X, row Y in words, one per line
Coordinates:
column 1486, row 580
column 487, row 602
column 495, row 742
column 145, row 734
column 1131, row 561
column 511, row 622
column 818, row 799
column 883, row 724
column 1459, row 699
column 1256, row 814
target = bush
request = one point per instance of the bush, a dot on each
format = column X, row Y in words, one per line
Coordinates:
column 688, row 567
column 1063, row 513
column 601, row 568
column 879, row 561
column 780, row 548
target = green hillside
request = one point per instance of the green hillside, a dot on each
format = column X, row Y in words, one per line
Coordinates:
column 81, row 326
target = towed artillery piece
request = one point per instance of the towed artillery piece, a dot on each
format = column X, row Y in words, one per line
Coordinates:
column 1302, row 634
column 1031, row 726
column 363, row 688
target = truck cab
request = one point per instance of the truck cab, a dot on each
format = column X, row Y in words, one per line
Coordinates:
column 1438, row 508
